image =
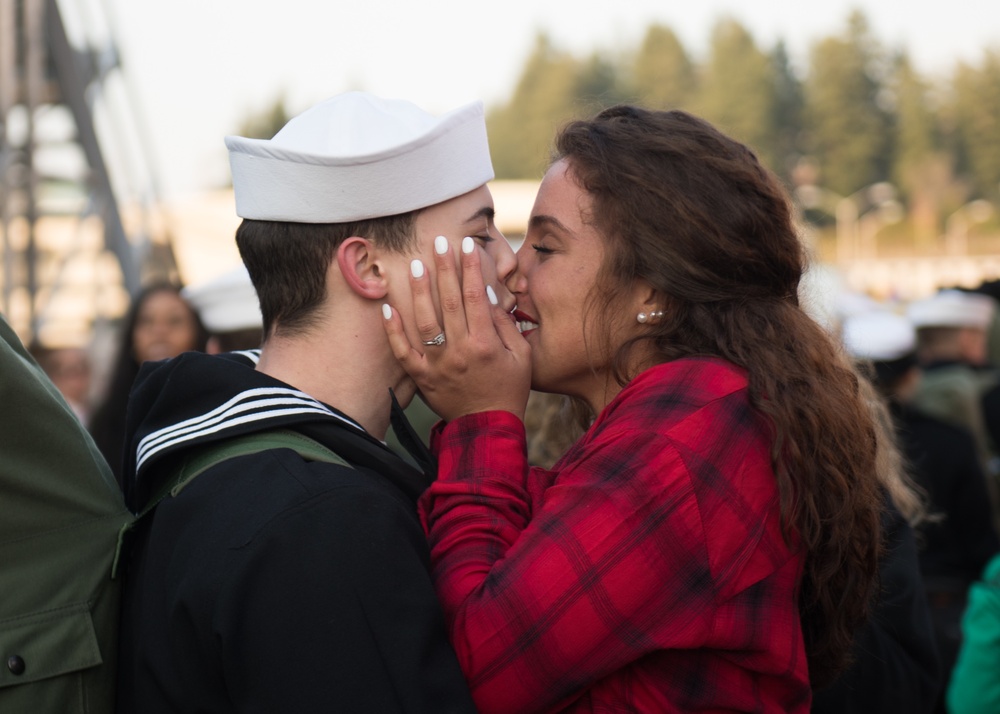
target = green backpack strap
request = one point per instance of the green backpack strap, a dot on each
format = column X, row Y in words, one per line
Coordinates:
column 200, row 460
column 207, row 457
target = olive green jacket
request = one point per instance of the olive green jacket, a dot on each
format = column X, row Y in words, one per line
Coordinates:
column 953, row 393
column 60, row 513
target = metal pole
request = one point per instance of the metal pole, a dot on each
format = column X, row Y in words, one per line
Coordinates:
column 8, row 93
column 34, row 70
column 847, row 227
column 73, row 83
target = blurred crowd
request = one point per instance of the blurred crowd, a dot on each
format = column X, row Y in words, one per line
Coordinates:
column 936, row 364
column 163, row 321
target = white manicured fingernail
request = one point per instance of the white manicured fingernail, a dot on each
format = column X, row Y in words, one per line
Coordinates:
column 468, row 245
column 440, row 245
column 491, row 295
column 386, row 312
column 417, row 269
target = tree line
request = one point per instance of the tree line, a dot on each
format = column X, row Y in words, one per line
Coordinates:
column 860, row 115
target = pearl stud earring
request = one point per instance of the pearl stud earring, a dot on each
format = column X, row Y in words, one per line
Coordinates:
column 649, row 317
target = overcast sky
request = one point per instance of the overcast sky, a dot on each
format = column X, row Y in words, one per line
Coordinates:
column 195, row 68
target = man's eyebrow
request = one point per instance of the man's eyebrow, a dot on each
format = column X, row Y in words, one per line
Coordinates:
column 486, row 212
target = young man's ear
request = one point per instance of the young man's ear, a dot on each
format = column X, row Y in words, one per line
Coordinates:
column 362, row 272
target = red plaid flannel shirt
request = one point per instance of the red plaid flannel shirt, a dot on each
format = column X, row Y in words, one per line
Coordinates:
column 645, row 572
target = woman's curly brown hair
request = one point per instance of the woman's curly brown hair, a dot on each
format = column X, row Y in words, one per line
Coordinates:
column 695, row 215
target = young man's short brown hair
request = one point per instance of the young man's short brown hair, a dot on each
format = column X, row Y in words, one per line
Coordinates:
column 288, row 261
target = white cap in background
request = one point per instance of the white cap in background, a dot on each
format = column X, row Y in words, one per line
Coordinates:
column 952, row 308
column 226, row 303
column 880, row 336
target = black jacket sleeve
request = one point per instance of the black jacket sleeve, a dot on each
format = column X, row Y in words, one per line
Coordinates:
column 896, row 667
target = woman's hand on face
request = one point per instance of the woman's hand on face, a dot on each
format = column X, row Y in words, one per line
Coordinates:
column 483, row 363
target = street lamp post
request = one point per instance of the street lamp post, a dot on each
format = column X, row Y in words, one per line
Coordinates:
column 846, row 212
column 956, row 232
column 852, row 241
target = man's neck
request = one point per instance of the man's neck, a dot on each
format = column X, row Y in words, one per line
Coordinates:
column 350, row 368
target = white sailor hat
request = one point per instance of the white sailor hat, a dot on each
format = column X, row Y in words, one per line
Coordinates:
column 357, row 156
column 226, row 303
column 952, row 308
column 880, row 336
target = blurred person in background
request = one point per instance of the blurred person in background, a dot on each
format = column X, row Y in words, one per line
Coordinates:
column 70, row 370
column 956, row 375
column 160, row 324
column 951, row 349
column 957, row 541
column 991, row 289
column 228, row 307
column 991, row 395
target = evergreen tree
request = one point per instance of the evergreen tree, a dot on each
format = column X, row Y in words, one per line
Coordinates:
column 596, row 86
column 663, row 76
column 521, row 131
column 847, row 127
column 915, row 130
column 976, row 112
column 919, row 169
column 267, row 122
column 787, row 111
column 738, row 90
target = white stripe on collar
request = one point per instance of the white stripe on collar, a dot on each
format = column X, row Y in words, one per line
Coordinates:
column 249, row 406
column 252, row 355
